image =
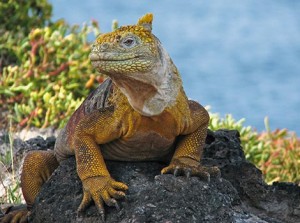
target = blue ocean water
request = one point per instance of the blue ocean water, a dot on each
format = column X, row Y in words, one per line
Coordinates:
column 239, row 57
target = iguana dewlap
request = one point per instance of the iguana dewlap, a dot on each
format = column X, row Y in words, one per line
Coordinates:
column 139, row 113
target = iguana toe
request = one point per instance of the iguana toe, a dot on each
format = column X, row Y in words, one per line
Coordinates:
column 85, row 203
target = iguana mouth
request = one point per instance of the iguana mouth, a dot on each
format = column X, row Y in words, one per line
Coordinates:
column 94, row 57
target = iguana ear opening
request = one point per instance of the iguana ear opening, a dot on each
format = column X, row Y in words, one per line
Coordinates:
column 146, row 21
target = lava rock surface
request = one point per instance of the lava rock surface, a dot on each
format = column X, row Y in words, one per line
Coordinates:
column 240, row 195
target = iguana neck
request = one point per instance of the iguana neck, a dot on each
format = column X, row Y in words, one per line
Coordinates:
column 151, row 92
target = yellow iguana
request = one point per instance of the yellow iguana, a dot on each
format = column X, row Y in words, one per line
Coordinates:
column 139, row 113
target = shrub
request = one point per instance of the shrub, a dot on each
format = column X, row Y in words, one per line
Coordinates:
column 17, row 18
column 21, row 16
column 43, row 65
column 46, row 86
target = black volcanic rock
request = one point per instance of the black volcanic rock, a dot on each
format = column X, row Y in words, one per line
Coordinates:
column 240, row 195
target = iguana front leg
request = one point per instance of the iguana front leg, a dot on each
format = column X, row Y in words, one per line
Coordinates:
column 98, row 185
column 186, row 159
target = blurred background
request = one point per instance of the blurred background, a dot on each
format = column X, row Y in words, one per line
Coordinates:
column 239, row 57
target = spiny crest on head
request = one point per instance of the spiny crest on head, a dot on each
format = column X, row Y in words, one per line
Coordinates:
column 146, row 21
column 142, row 29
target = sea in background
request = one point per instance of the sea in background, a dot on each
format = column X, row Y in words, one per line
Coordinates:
column 239, row 57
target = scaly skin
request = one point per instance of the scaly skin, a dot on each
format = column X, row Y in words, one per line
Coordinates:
column 140, row 113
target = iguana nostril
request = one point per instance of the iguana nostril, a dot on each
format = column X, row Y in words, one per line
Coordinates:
column 118, row 37
column 94, row 56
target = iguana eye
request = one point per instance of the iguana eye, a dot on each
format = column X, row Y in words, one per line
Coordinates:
column 128, row 42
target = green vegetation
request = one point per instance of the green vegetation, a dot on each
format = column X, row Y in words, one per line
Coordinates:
column 21, row 16
column 45, row 74
column 48, row 72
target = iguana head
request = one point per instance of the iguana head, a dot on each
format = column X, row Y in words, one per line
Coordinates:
column 138, row 64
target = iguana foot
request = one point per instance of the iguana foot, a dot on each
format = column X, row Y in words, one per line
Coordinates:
column 17, row 216
column 99, row 189
column 190, row 167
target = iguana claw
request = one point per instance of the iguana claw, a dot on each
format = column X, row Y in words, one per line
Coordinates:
column 189, row 167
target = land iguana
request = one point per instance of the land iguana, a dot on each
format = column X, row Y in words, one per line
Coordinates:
column 140, row 113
